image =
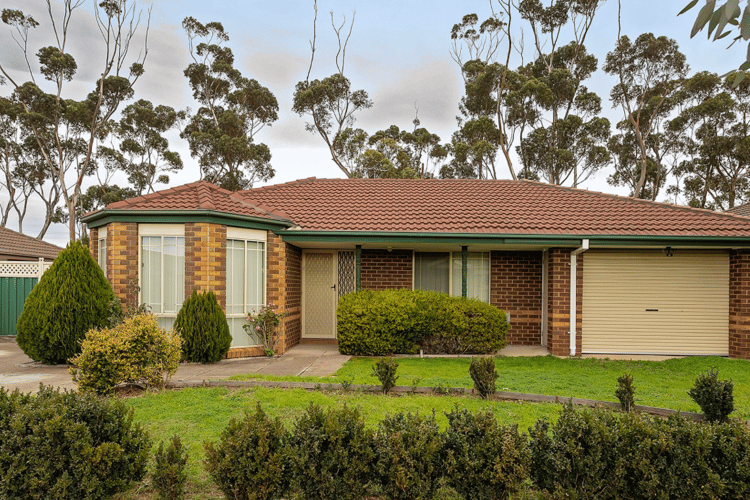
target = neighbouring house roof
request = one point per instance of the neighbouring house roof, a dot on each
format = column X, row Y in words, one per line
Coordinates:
column 18, row 245
column 483, row 206
column 740, row 210
column 196, row 196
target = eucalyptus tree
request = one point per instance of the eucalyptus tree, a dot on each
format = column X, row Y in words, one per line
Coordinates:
column 650, row 72
column 67, row 131
column 233, row 109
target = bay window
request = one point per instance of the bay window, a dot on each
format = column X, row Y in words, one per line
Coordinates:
column 162, row 259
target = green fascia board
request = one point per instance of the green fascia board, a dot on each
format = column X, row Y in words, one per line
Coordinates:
column 542, row 240
column 104, row 217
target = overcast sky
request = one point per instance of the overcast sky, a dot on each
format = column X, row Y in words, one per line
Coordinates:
column 399, row 53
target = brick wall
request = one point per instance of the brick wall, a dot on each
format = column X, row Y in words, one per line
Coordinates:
column 739, row 304
column 293, row 322
column 206, row 259
column 384, row 270
column 94, row 242
column 283, row 288
column 516, row 287
column 558, row 336
column 122, row 261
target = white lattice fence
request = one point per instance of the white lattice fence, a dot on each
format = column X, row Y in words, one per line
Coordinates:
column 15, row 269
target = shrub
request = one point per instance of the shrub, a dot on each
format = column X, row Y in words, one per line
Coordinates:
column 251, row 460
column 71, row 298
column 484, row 460
column 68, row 445
column 332, row 454
column 399, row 321
column 204, row 328
column 169, row 477
column 133, row 351
column 263, row 326
column 385, row 370
column 625, row 392
column 408, row 449
column 714, row 396
column 484, row 375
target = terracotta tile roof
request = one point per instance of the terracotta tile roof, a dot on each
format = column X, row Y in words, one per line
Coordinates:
column 483, row 206
column 13, row 244
column 199, row 195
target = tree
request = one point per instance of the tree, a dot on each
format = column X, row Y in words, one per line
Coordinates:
column 67, row 131
column 233, row 109
column 717, row 124
column 650, row 71
column 717, row 18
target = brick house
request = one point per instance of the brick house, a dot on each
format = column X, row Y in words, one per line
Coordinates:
column 638, row 277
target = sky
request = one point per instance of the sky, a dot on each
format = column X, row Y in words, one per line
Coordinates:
column 399, row 52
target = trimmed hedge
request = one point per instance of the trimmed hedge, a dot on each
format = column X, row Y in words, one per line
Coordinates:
column 72, row 297
column 379, row 323
column 68, row 446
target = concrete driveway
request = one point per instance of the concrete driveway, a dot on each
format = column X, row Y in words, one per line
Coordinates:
column 18, row 371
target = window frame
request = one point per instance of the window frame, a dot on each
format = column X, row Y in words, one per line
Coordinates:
column 161, row 231
column 451, row 256
column 246, row 236
column 102, row 243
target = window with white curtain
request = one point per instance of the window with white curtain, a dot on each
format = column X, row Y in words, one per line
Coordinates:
column 246, row 286
column 441, row 272
column 163, row 276
column 102, row 257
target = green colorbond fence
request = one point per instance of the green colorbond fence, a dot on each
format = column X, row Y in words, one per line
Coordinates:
column 13, row 293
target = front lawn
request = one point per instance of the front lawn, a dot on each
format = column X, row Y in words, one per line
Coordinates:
column 657, row 383
column 200, row 414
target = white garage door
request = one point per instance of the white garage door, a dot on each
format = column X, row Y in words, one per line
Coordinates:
column 646, row 302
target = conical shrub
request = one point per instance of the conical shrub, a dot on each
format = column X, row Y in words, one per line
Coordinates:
column 204, row 329
column 72, row 297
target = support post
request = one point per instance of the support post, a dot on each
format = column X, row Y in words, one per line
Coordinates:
column 464, row 269
column 574, row 293
column 358, row 258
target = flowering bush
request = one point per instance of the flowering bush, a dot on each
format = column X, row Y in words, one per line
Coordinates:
column 262, row 325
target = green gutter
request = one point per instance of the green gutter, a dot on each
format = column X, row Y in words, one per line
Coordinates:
column 104, row 217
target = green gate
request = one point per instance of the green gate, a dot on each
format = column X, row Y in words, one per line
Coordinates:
column 13, row 293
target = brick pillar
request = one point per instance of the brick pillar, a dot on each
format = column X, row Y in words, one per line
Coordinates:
column 293, row 305
column 94, row 243
column 122, row 261
column 276, row 283
column 739, row 304
column 206, row 259
column 558, row 303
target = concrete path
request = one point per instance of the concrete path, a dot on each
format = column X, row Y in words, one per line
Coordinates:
column 18, row 371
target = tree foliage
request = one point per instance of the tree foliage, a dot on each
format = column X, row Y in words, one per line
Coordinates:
column 233, row 109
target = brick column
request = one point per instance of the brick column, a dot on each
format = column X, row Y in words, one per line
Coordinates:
column 94, row 243
column 739, row 304
column 206, row 259
column 293, row 305
column 276, row 283
column 558, row 303
column 122, row 261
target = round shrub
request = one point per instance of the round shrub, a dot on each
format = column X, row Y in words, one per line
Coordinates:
column 408, row 449
column 134, row 351
column 714, row 396
column 484, row 374
column 204, row 329
column 71, row 298
column 251, row 460
column 68, row 446
column 378, row 323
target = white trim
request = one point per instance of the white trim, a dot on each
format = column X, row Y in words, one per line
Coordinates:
column 545, row 296
column 238, row 233
column 161, row 230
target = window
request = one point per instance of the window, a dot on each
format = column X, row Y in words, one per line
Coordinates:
column 246, row 283
column 102, row 257
column 441, row 272
column 163, row 276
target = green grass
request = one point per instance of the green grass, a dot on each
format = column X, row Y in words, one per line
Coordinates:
column 657, row 383
column 200, row 414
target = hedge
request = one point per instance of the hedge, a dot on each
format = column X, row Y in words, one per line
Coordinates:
column 379, row 323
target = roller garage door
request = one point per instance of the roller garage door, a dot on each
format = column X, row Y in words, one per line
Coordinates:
column 645, row 302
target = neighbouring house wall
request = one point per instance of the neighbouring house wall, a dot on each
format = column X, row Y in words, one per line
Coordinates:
column 558, row 336
column 516, row 287
column 293, row 321
column 206, row 260
column 384, row 270
column 739, row 304
column 122, row 261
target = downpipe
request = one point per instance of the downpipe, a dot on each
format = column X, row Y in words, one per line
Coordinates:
column 574, row 293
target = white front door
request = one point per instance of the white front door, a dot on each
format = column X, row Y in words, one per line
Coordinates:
column 319, row 295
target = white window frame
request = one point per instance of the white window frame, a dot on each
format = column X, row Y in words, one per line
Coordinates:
column 450, row 270
column 102, row 243
column 252, row 236
column 159, row 230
